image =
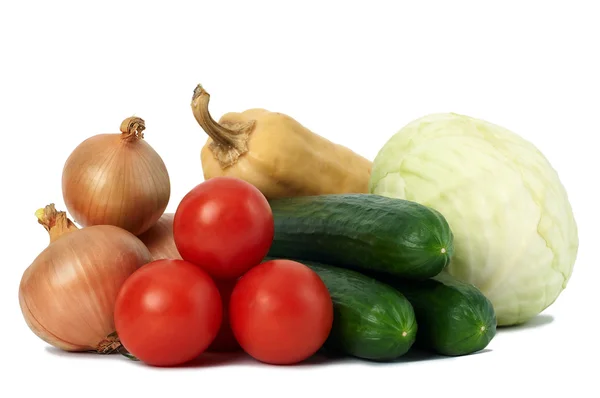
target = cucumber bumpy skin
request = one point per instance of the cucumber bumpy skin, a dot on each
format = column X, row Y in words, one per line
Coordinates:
column 454, row 317
column 364, row 232
column 371, row 321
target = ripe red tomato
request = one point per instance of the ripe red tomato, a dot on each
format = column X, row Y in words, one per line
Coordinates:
column 168, row 312
column 224, row 225
column 225, row 340
column 281, row 312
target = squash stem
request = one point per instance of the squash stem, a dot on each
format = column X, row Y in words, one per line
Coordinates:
column 228, row 143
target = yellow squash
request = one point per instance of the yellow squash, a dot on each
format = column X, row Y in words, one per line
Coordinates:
column 276, row 154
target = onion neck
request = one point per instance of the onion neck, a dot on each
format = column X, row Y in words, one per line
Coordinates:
column 228, row 143
column 132, row 129
column 56, row 222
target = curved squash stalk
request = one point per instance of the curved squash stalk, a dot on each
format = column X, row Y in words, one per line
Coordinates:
column 275, row 153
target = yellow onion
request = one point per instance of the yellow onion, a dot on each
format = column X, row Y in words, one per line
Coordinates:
column 116, row 179
column 67, row 295
column 159, row 239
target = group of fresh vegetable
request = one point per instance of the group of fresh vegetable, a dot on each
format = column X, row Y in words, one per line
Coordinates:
column 293, row 244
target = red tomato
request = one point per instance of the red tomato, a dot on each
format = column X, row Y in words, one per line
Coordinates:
column 225, row 340
column 224, row 225
column 281, row 312
column 168, row 312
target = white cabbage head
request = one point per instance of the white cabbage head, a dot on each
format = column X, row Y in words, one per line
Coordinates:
column 514, row 231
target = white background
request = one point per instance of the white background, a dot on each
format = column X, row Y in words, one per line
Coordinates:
column 354, row 72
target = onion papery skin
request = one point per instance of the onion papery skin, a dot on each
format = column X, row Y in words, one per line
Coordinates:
column 159, row 239
column 67, row 295
column 114, row 179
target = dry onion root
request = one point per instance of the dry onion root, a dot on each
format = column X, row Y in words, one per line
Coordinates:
column 116, row 179
column 67, row 295
column 159, row 239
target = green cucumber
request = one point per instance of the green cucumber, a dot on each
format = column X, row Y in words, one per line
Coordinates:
column 454, row 317
column 363, row 232
column 371, row 321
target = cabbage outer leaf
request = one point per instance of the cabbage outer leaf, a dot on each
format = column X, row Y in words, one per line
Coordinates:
column 515, row 234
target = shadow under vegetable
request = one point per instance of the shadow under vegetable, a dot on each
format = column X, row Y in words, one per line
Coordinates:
column 536, row 322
